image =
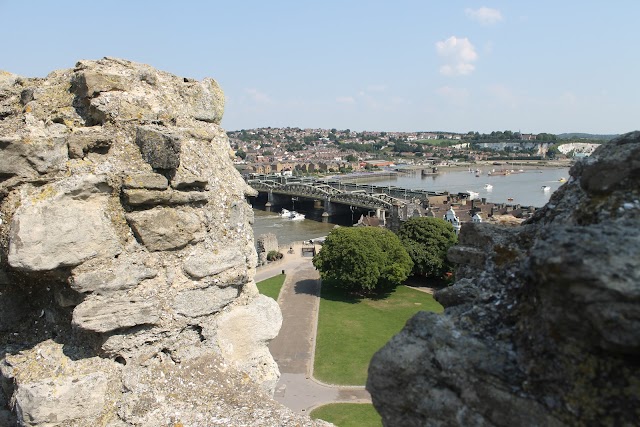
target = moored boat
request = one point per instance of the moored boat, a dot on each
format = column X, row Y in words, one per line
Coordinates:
column 546, row 188
column 285, row 213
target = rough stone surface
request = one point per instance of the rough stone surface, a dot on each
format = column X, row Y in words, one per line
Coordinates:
column 161, row 229
column 204, row 262
column 140, row 197
column 127, row 260
column 152, row 181
column 62, row 224
column 159, row 147
column 89, row 140
column 200, row 302
column 113, row 275
column 542, row 326
column 104, row 314
column 263, row 318
column 40, row 402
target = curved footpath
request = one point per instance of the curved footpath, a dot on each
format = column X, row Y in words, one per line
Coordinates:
column 293, row 348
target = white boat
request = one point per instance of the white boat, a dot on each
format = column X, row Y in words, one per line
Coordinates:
column 488, row 187
column 296, row 216
column 546, row 188
column 472, row 194
column 285, row 213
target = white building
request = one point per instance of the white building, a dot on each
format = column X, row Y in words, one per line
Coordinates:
column 451, row 218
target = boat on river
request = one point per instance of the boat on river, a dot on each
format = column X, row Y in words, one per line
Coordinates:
column 292, row 215
column 488, row 187
column 546, row 188
column 296, row 216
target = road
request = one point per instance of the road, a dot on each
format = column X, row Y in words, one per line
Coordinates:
column 293, row 348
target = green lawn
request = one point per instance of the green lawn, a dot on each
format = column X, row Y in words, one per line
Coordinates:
column 271, row 287
column 351, row 330
column 348, row 415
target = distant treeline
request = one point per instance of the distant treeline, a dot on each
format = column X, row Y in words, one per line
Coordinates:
column 588, row 136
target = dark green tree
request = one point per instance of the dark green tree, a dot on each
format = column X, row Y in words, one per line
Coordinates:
column 427, row 240
column 240, row 153
column 363, row 259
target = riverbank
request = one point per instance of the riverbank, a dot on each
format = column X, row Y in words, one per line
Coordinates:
column 454, row 167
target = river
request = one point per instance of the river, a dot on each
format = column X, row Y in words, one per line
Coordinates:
column 524, row 188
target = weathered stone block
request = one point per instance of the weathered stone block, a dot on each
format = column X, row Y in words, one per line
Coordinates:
column 201, row 302
column 138, row 197
column 149, row 181
column 59, row 401
column 62, row 226
column 32, row 156
column 161, row 229
column 159, row 147
column 84, row 140
column 203, row 262
column 102, row 314
column 90, row 83
column 112, row 275
column 243, row 333
column 204, row 100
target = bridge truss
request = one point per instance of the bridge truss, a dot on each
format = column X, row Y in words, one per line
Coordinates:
column 359, row 198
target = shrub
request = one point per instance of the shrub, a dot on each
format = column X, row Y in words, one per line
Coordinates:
column 274, row 255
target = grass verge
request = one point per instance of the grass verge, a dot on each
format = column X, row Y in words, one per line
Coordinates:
column 271, row 287
column 348, row 414
column 351, row 330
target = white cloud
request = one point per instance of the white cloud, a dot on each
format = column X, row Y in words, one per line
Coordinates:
column 459, row 54
column 484, row 15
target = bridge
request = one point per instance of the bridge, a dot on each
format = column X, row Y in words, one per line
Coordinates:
column 337, row 196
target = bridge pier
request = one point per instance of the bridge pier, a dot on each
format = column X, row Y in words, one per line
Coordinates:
column 328, row 206
column 382, row 215
column 267, row 207
column 277, row 199
column 394, row 225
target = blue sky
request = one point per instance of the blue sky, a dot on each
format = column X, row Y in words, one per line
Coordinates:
column 403, row 65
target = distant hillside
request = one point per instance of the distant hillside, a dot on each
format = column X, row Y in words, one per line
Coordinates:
column 590, row 136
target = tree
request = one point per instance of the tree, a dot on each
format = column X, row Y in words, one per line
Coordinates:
column 351, row 158
column 363, row 259
column 427, row 240
column 240, row 153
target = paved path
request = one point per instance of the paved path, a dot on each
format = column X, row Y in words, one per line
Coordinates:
column 293, row 348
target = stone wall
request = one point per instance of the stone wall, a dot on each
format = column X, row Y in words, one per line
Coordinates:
column 127, row 259
column 266, row 243
column 542, row 326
